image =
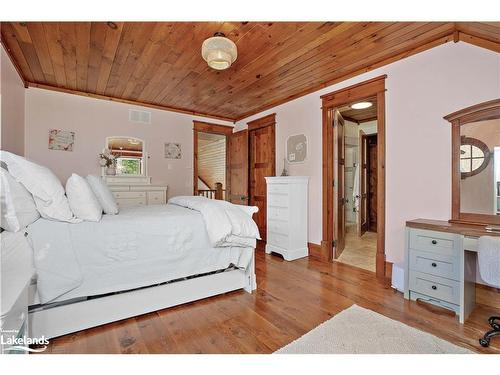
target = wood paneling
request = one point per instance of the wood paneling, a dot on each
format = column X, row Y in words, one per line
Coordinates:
column 159, row 63
column 361, row 115
column 238, row 167
column 291, row 299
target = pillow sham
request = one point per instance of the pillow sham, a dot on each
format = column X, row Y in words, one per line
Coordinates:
column 82, row 199
column 17, row 204
column 103, row 194
column 45, row 187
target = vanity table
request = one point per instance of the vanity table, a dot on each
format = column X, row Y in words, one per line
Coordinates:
column 441, row 263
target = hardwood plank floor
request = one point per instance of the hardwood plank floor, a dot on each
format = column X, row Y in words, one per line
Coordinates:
column 292, row 298
column 359, row 251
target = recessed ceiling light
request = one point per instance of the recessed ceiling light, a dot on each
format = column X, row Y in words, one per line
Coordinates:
column 361, row 105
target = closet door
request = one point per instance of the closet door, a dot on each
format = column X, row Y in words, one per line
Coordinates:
column 339, row 188
column 238, row 167
column 363, row 184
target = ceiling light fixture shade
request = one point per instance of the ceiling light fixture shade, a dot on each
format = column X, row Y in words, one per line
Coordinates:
column 219, row 52
column 361, row 105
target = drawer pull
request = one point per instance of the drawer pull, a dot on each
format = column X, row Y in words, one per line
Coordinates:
column 434, row 264
column 434, row 242
column 434, row 287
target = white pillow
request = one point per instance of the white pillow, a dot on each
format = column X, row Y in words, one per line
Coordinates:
column 82, row 199
column 103, row 194
column 17, row 204
column 45, row 187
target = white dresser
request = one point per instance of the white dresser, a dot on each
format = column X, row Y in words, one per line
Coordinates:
column 287, row 216
column 131, row 192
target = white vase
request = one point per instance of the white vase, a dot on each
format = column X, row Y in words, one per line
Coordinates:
column 111, row 171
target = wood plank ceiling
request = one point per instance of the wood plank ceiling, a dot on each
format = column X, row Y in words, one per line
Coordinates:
column 159, row 64
column 360, row 115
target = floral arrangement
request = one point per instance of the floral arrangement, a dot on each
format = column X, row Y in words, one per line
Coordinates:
column 107, row 159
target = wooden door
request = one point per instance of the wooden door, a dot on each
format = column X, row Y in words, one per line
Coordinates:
column 339, row 187
column 238, row 167
column 262, row 164
column 362, row 219
column 372, row 183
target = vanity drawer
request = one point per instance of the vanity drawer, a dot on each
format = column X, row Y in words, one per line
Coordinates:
column 277, row 200
column 436, row 287
column 435, row 242
column 278, row 188
column 130, row 202
column 129, row 194
column 280, row 213
column 156, row 197
column 435, row 264
column 279, row 240
column 278, row 226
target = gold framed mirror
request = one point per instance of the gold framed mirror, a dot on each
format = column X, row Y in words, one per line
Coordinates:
column 476, row 164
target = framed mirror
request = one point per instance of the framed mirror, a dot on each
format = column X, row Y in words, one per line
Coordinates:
column 130, row 155
column 476, row 164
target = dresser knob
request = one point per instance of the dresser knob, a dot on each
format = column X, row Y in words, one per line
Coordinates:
column 434, row 265
column 434, row 242
column 434, row 287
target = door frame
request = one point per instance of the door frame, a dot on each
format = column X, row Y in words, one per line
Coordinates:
column 207, row 127
column 330, row 101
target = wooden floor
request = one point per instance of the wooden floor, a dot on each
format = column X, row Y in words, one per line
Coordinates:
column 292, row 298
column 360, row 251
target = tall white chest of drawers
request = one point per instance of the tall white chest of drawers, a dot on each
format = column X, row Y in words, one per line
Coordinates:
column 287, row 216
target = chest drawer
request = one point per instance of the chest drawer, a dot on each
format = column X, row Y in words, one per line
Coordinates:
column 278, row 226
column 435, row 242
column 280, row 213
column 277, row 239
column 130, row 202
column 278, row 188
column 435, row 264
column 129, row 194
column 436, row 287
column 156, row 197
column 277, row 200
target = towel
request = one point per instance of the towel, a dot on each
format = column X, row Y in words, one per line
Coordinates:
column 355, row 188
column 488, row 252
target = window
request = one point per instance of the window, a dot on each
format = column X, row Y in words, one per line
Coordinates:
column 474, row 156
column 128, row 165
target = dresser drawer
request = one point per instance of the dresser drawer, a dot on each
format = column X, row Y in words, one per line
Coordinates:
column 278, row 226
column 129, row 194
column 278, row 188
column 277, row 200
column 435, row 242
column 156, row 197
column 280, row 213
column 130, row 202
column 435, row 264
column 279, row 240
column 436, row 287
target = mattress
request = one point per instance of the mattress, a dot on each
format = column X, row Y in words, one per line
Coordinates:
column 140, row 246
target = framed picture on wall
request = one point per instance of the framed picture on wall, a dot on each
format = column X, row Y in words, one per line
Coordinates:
column 296, row 148
column 61, row 140
column 173, row 150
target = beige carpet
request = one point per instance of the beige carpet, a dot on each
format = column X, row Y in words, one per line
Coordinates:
column 360, row 331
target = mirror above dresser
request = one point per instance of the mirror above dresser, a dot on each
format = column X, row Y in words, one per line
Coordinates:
column 476, row 164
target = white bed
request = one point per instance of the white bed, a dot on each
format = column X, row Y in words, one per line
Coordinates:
column 160, row 256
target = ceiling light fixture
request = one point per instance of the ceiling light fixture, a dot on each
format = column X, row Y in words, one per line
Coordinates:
column 361, row 105
column 219, row 52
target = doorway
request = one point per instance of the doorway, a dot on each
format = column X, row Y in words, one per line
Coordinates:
column 356, row 167
column 339, row 170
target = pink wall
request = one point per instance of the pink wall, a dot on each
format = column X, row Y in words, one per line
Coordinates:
column 12, row 106
column 420, row 91
column 93, row 120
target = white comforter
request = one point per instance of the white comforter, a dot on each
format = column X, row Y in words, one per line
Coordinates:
column 138, row 247
column 227, row 224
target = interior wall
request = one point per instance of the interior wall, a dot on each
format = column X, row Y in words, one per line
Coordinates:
column 12, row 106
column 421, row 89
column 93, row 120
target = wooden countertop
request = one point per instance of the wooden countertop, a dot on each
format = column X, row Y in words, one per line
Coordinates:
column 445, row 226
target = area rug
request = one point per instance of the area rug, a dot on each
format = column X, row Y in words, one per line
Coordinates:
column 360, row 331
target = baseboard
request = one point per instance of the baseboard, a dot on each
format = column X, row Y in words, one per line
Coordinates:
column 388, row 270
column 487, row 295
column 317, row 252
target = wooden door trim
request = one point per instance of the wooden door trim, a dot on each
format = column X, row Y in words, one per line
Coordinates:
column 269, row 120
column 207, row 127
column 347, row 95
